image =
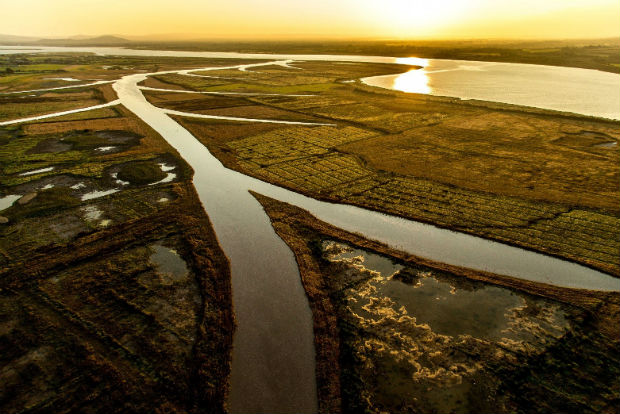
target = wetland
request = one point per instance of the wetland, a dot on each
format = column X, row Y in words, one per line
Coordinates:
column 135, row 262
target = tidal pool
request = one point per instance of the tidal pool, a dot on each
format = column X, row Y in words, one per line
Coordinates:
column 39, row 171
column 448, row 305
column 104, row 149
column 97, row 194
column 415, row 337
column 170, row 266
column 92, row 213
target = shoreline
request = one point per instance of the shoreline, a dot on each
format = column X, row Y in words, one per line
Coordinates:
column 167, row 47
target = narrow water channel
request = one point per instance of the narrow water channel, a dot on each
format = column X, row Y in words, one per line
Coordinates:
column 273, row 349
column 273, row 355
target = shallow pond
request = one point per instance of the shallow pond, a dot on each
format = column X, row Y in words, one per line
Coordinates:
column 416, row 337
column 449, row 306
column 8, row 200
column 170, row 266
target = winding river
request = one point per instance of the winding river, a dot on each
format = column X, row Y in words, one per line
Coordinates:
column 273, row 355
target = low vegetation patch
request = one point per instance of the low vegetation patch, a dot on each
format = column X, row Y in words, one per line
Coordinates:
column 141, row 173
column 85, row 299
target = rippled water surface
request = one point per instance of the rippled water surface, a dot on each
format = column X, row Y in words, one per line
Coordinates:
column 448, row 305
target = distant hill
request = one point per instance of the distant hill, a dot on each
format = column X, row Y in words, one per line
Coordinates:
column 79, row 37
column 84, row 41
column 4, row 38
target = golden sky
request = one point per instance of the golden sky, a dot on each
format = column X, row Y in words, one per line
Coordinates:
column 261, row 19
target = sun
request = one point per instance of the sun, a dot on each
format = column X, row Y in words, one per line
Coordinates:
column 407, row 17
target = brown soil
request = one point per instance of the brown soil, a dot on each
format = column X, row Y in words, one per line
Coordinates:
column 108, row 93
column 51, row 145
column 261, row 112
column 95, row 125
column 224, row 131
column 189, row 102
column 26, row 198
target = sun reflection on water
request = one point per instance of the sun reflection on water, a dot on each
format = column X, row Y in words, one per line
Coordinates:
column 414, row 81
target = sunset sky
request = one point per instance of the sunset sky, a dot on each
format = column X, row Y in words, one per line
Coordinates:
column 263, row 19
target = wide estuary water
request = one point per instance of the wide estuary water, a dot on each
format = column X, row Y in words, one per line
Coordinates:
column 273, row 355
column 582, row 91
